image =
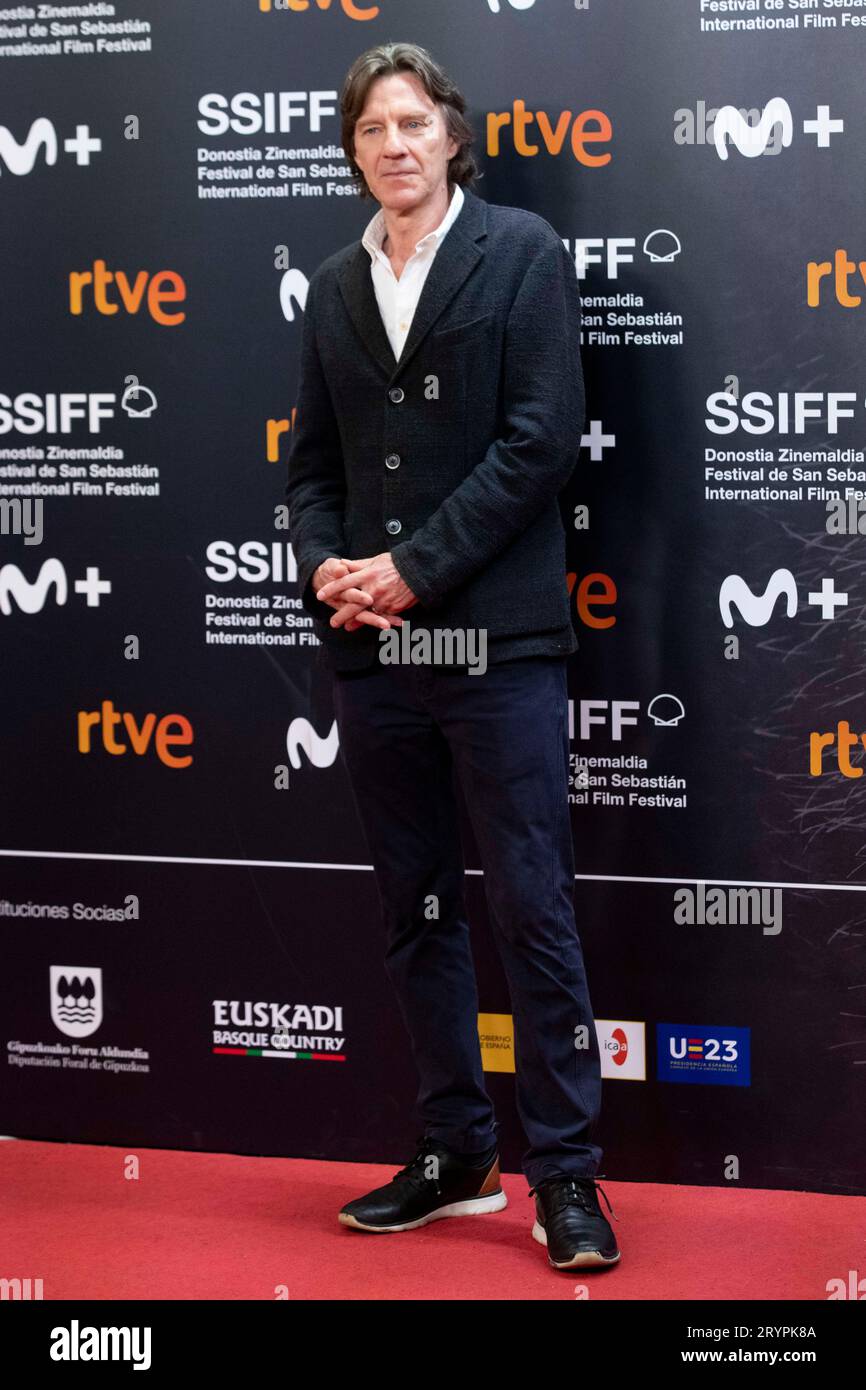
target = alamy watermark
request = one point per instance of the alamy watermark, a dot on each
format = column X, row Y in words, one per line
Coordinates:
column 22, row 517
column 715, row 906
column 460, row 646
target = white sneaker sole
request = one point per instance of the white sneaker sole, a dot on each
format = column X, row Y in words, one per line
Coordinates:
column 473, row 1206
column 584, row 1259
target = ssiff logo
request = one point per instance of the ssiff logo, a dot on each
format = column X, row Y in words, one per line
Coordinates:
column 704, row 1056
column 76, row 999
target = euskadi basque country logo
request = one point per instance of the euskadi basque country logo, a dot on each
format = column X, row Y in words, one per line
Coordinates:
column 705, row 1056
column 287, row 1032
column 76, row 999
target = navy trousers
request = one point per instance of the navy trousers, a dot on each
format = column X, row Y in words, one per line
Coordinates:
column 405, row 732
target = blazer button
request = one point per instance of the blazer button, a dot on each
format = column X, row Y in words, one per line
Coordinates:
column 393, row 527
column 396, row 394
column 392, row 461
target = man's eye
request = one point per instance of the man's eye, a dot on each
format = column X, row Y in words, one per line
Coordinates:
column 373, row 129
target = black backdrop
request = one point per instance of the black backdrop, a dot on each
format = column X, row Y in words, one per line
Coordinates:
column 139, row 897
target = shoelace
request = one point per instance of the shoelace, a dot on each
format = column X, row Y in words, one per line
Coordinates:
column 413, row 1171
column 574, row 1192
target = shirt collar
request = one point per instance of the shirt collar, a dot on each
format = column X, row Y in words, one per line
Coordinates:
column 375, row 232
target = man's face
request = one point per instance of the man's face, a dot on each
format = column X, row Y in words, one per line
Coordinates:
column 402, row 145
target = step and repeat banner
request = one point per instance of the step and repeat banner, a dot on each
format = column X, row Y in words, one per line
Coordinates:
column 190, row 943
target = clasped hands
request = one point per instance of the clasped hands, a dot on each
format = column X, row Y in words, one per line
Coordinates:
column 363, row 592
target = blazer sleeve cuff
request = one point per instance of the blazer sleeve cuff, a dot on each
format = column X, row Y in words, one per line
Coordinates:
column 426, row 592
column 320, row 610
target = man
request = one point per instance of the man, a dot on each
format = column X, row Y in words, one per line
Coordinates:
column 440, row 411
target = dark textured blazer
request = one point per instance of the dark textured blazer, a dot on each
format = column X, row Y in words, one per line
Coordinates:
column 452, row 456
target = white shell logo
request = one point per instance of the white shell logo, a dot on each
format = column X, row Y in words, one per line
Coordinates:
column 76, row 999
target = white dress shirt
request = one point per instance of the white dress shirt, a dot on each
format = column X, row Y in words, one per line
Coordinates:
column 397, row 299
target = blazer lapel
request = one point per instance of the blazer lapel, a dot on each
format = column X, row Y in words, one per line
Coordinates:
column 456, row 257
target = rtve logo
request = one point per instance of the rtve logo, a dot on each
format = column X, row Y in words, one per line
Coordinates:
column 577, row 129
column 592, row 591
column 20, row 158
column 350, row 9
column 844, row 741
column 841, row 270
column 107, row 719
column 164, row 286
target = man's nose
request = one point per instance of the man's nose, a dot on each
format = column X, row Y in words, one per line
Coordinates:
column 394, row 143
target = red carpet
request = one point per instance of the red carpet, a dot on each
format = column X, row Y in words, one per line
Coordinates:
column 222, row 1226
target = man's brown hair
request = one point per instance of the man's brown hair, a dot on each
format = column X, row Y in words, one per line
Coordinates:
column 383, row 61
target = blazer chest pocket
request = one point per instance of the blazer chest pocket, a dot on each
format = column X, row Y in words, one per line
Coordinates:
column 462, row 332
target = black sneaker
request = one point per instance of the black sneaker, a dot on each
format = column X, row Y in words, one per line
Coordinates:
column 436, row 1183
column 570, row 1222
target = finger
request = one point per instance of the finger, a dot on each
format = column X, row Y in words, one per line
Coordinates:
column 335, row 570
column 354, row 610
column 335, row 587
column 359, row 596
column 343, row 612
column 387, row 620
column 392, row 618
